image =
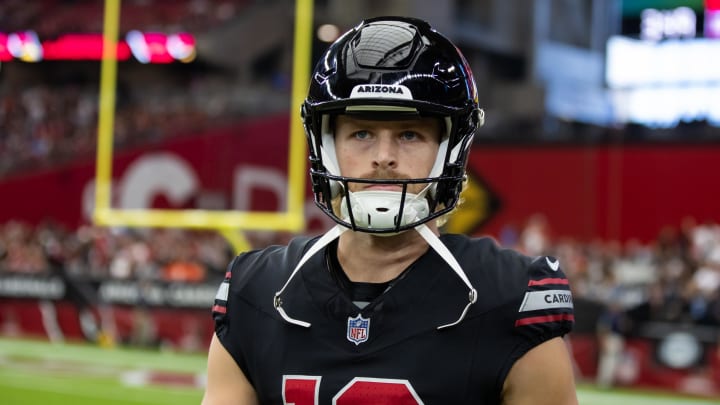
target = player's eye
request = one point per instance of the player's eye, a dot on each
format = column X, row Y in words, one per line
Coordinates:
column 409, row 135
column 362, row 134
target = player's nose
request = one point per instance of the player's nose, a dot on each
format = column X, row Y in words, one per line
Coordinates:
column 386, row 150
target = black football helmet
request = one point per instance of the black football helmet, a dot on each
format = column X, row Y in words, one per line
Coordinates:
column 391, row 68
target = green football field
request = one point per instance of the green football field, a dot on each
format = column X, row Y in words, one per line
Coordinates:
column 33, row 372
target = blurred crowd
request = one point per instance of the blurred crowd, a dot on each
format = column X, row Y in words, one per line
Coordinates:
column 49, row 111
column 91, row 252
column 48, row 125
column 50, row 17
column 674, row 278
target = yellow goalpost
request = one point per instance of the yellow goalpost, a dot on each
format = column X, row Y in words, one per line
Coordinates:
column 230, row 223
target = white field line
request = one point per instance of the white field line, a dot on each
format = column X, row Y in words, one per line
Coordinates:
column 128, row 377
column 88, row 391
column 616, row 398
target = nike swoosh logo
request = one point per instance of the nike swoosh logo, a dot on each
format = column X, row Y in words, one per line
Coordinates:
column 553, row 265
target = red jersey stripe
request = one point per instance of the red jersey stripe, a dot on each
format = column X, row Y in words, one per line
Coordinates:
column 545, row 318
column 220, row 309
column 546, row 281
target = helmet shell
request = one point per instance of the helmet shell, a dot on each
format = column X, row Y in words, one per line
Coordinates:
column 393, row 68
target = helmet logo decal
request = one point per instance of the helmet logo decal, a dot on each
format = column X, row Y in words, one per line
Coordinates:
column 381, row 91
column 358, row 329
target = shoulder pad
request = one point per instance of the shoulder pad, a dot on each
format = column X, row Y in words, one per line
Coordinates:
column 250, row 268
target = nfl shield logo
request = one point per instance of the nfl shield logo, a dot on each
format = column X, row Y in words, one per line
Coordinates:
column 358, row 329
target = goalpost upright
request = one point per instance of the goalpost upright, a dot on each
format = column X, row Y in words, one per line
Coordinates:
column 230, row 223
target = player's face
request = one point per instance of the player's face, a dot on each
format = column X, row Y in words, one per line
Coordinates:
column 386, row 150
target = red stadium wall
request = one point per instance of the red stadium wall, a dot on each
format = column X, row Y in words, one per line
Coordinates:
column 639, row 366
column 65, row 194
column 186, row 329
column 611, row 192
column 617, row 192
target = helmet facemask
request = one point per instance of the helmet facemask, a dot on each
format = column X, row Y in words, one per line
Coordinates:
column 391, row 68
column 383, row 212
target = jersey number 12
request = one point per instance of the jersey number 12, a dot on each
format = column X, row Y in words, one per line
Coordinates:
column 305, row 390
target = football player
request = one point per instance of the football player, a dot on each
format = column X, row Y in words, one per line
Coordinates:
column 383, row 308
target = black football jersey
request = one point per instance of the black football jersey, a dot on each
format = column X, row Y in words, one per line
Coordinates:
column 391, row 351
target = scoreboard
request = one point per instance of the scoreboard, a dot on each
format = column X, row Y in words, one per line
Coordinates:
column 663, row 68
column 652, row 63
